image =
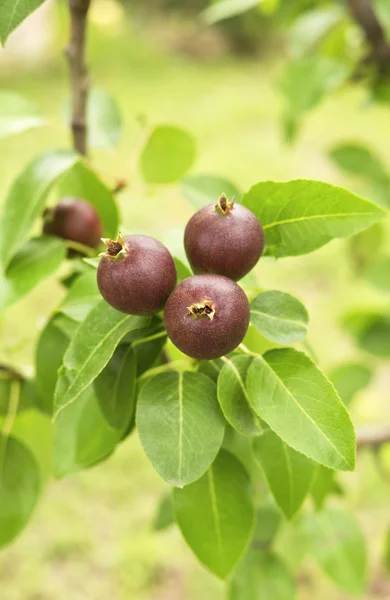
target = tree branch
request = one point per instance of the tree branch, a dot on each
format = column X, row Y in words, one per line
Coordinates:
column 79, row 79
column 372, row 436
column 363, row 13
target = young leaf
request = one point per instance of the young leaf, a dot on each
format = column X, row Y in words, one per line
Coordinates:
column 233, row 398
column 90, row 350
column 349, row 379
column 225, row 9
column 82, row 182
column 201, row 190
column 302, row 215
column 371, row 330
column 291, row 394
column 216, row 514
column 19, row 487
column 168, row 155
column 165, row 515
column 183, row 409
column 261, row 575
column 289, row 473
column 104, row 120
column 279, row 317
column 13, row 12
column 33, row 262
column 17, row 114
column 81, row 435
column 27, row 197
column 50, row 349
column 115, row 387
column 83, row 295
column 335, row 539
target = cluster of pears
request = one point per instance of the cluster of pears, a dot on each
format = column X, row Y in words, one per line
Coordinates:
column 207, row 315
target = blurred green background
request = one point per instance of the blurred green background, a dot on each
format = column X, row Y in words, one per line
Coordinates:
column 92, row 535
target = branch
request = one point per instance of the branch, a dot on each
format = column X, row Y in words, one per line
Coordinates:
column 364, row 14
column 79, row 79
column 373, row 436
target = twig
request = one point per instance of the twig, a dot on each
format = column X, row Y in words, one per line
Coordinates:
column 79, row 79
column 372, row 436
column 363, row 12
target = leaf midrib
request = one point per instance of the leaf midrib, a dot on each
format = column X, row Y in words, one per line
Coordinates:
column 280, row 319
column 324, row 216
column 82, row 368
column 215, row 513
column 305, row 413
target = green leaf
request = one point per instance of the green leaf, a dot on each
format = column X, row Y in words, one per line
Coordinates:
column 349, row 379
column 279, row 317
column 148, row 349
column 27, row 197
column 291, row 394
column 268, row 522
column 34, row 430
column 13, row 12
column 182, row 270
column 33, row 262
column 19, row 487
column 371, row 330
column 82, row 182
column 233, row 398
column 90, row 350
column 302, row 215
column 211, row 368
column 82, row 436
column 261, row 576
column 307, row 80
column 115, row 387
column 382, row 8
column 201, row 190
column 323, row 485
column 183, row 409
column 360, row 161
column 28, row 394
column 312, row 26
column 83, row 295
column 216, row 514
column 335, row 539
column 168, row 154
column 49, row 353
column 377, row 273
column 104, row 120
column 225, row 9
column 17, row 114
column 165, row 514
column 289, row 474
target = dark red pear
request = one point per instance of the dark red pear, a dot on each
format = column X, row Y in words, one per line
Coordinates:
column 136, row 274
column 76, row 220
column 224, row 238
column 207, row 316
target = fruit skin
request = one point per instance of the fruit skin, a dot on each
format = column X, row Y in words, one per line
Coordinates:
column 210, row 336
column 76, row 220
column 140, row 278
column 227, row 243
